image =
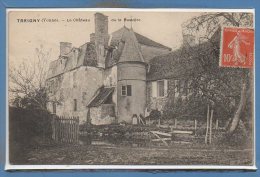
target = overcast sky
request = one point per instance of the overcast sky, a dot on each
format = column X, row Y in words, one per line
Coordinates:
column 24, row 37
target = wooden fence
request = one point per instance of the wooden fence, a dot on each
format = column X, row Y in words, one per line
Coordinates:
column 65, row 129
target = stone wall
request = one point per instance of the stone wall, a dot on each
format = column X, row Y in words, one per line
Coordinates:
column 95, row 114
column 110, row 80
column 101, row 115
column 133, row 74
column 79, row 84
column 110, row 77
column 107, row 110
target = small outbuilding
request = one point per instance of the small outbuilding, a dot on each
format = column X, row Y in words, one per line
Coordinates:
column 102, row 108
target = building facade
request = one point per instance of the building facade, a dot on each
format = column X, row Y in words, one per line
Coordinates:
column 114, row 76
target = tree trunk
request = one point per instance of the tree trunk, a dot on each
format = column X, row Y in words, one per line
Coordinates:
column 235, row 121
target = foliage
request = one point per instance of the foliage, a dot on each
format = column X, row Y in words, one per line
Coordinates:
column 28, row 128
column 222, row 86
column 27, row 81
column 29, row 120
column 33, row 100
column 191, row 108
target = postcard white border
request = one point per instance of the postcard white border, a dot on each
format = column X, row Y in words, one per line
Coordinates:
column 9, row 166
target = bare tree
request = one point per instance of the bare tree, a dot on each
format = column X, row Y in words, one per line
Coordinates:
column 27, row 81
column 220, row 85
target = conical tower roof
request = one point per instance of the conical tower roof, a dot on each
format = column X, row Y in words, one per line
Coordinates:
column 131, row 50
column 126, row 46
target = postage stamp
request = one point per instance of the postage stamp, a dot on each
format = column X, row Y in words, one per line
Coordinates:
column 237, row 47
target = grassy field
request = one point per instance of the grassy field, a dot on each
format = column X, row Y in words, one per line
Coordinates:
column 178, row 154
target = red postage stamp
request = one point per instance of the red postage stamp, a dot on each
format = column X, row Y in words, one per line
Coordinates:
column 237, row 47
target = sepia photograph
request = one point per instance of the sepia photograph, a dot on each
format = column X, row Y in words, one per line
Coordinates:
column 128, row 88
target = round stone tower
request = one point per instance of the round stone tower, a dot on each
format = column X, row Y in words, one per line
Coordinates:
column 131, row 85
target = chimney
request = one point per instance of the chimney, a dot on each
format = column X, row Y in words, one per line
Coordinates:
column 92, row 37
column 101, row 37
column 101, row 27
column 65, row 48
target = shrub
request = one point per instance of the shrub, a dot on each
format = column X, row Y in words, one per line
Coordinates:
column 28, row 128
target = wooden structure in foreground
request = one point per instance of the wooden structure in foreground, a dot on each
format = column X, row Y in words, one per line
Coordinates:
column 65, row 129
column 165, row 138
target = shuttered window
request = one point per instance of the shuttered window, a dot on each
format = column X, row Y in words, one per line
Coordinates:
column 165, row 87
column 75, row 105
column 123, row 91
column 160, row 88
column 154, row 89
column 129, row 90
column 160, row 85
column 126, row 90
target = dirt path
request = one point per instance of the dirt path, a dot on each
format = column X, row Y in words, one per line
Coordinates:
column 97, row 155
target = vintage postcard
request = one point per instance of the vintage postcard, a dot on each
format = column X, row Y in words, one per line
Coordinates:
column 130, row 89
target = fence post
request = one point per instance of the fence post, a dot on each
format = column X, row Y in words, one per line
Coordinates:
column 207, row 129
column 210, row 127
column 175, row 123
column 56, row 129
column 195, row 126
column 53, row 127
column 216, row 124
column 72, row 131
column 68, row 132
column 65, row 130
column 61, row 128
column 77, row 132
